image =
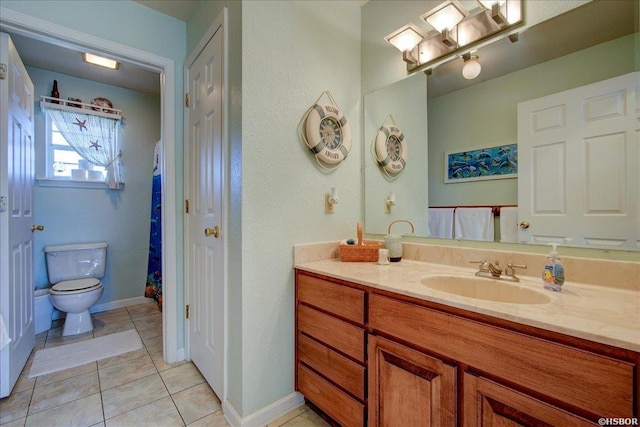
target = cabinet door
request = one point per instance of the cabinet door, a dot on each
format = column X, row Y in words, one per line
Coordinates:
column 487, row 403
column 409, row 388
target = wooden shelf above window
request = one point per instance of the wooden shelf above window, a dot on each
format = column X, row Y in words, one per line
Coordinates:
column 82, row 107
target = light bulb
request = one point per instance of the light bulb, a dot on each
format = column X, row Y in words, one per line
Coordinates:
column 471, row 68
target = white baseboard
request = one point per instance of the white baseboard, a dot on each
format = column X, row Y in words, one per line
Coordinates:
column 265, row 415
column 119, row 303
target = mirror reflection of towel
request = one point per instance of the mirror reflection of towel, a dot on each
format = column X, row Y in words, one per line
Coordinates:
column 473, row 224
column 441, row 222
column 509, row 224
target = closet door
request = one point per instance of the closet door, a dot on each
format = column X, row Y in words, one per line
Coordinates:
column 204, row 173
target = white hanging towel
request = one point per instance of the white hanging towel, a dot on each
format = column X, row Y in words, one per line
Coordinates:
column 473, row 223
column 441, row 222
column 509, row 224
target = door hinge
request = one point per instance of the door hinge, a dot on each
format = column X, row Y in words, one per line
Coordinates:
column 3, row 204
column 186, row 206
column 186, row 100
column 187, row 311
column 3, row 71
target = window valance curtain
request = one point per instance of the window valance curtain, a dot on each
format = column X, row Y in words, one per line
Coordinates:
column 95, row 138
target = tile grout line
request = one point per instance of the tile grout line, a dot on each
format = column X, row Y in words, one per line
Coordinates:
column 53, row 338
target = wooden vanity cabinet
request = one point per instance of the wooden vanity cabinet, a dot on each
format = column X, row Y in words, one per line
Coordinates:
column 409, row 388
column 505, row 369
column 489, row 404
column 432, row 365
column 330, row 348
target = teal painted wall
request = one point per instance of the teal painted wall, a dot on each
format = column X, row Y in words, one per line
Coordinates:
column 119, row 217
column 292, row 51
column 488, row 114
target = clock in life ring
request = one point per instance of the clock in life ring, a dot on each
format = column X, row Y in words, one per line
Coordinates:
column 390, row 149
column 327, row 134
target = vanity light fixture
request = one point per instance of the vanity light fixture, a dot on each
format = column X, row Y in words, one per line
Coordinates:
column 388, row 202
column 445, row 19
column 331, row 199
column 101, row 61
column 457, row 31
column 446, row 16
column 472, row 67
column 405, row 38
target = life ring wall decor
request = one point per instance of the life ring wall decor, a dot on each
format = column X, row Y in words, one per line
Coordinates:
column 390, row 150
column 327, row 133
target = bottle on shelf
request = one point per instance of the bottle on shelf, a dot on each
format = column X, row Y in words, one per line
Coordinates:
column 54, row 92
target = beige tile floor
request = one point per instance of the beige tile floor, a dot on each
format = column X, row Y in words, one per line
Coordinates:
column 133, row 389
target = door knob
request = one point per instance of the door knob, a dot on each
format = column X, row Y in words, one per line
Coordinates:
column 524, row 225
column 215, row 232
column 36, row 228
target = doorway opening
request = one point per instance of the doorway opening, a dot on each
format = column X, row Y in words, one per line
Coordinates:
column 58, row 36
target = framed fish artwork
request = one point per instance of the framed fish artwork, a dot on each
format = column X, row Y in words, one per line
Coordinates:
column 477, row 164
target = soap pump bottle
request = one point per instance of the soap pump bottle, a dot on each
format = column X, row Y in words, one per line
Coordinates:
column 553, row 272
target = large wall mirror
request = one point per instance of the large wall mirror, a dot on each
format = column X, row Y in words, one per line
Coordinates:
column 444, row 113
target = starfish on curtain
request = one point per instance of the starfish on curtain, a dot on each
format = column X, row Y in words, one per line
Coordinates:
column 81, row 124
column 94, row 144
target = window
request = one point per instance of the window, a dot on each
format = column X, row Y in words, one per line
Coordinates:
column 63, row 161
column 82, row 145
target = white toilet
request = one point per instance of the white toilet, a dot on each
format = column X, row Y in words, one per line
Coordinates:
column 74, row 271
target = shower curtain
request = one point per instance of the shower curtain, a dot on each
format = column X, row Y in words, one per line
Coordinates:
column 153, row 288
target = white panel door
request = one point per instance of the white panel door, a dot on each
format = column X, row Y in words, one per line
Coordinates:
column 205, row 240
column 16, row 214
column 578, row 166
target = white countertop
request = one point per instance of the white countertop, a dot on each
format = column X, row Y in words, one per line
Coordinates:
column 601, row 314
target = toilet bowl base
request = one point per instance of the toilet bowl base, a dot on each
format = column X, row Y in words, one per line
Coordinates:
column 77, row 323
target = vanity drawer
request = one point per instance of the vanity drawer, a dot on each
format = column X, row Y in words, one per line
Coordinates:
column 344, row 409
column 598, row 384
column 341, row 300
column 342, row 371
column 336, row 333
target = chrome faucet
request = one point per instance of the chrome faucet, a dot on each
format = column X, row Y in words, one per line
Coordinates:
column 494, row 271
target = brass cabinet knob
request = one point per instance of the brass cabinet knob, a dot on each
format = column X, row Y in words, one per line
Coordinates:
column 215, row 232
column 524, row 225
column 36, row 228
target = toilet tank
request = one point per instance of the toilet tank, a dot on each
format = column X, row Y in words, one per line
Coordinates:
column 77, row 261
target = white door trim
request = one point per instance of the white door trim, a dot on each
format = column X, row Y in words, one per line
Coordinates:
column 55, row 34
column 220, row 21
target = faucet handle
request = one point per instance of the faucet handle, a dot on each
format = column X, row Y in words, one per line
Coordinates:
column 484, row 265
column 510, row 270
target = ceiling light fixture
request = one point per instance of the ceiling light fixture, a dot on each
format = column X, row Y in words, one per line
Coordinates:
column 99, row 60
column 457, row 31
column 472, row 67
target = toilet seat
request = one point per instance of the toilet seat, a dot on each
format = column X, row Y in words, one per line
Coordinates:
column 77, row 286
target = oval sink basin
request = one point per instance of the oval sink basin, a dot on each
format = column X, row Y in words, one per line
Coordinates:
column 485, row 289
